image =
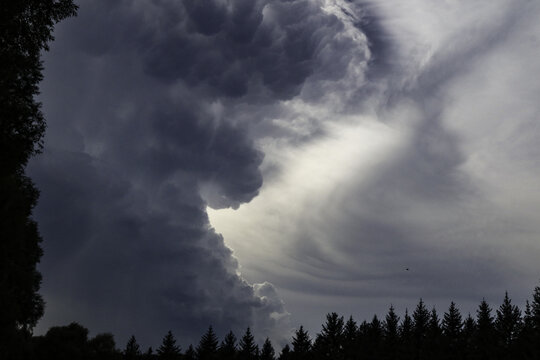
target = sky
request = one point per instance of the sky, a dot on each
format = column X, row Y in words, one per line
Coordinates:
column 261, row 163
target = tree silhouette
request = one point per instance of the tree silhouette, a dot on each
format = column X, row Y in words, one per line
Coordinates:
column 507, row 326
column 526, row 335
column 285, row 353
column 149, row 354
column 405, row 334
column 508, row 336
column 467, row 337
column 247, row 349
column 301, row 344
column 433, row 336
column 373, row 339
column 451, row 328
column 227, row 349
column 420, row 329
column 208, row 346
column 351, row 340
column 102, row 347
column 168, row 349
column 484, row 343
column 390, row 334
column 64, row 343
column 25, row 31
column 190, row 353
column 267, row 351
column 329, row 343
column 535, row 319
column 132, row 350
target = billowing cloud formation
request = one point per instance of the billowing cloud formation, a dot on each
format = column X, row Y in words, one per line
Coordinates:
column 153, row 109
column 338, row 142
column 426, row 163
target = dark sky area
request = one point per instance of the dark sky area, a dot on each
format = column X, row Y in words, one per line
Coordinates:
column 262, row 162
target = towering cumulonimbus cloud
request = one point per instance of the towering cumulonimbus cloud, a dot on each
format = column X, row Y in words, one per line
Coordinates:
column 153, row 109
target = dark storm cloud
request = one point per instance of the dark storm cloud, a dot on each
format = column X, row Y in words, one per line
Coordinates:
column 113, row 262
column 143, row 135
column 236, row 51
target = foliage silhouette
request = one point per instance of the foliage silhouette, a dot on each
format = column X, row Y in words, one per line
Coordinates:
column 190, row 353
column 267, row 351
column 421, row 336
column 227, row 349
column 301, row 344
column 132, row 350
column 168, row 349
column 507, row 327
column 208, row 346
column 329, row 342
column 247, row 348
column 286, row 353
column 25, row 31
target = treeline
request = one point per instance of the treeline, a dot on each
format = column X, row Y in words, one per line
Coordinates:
column 504, row 333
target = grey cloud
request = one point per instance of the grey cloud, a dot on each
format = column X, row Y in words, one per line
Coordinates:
column 151, row 108
column 418, row 208
column 243, row 51
column 117, row 264
column 162, row 103
column 128, row 245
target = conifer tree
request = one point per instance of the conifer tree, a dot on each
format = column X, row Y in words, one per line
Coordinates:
column 247, row 349
column 208, row 346
column 362, row 345
column 451, row 327
column 507, row 326
column 485, row 333
column 535, row 320
column 132, row 350
column 149, row 354
column 535, row 308
column 227, row 349
column 405, row 334
column 351, row 339
column 434, row 335
column 285, row 353
column 267, row 351
column 329, row 343
column 373, row 339
column 467, row 336
column 526, row 335
column 301, row 344
column 452, row 322
column 190, row 353
column 390, row 334
column 420, row 329
column 168, row 349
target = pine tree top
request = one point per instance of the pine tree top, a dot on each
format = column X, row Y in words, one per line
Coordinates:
column 168, row 348
column 208, row 346
column 132, row 349
column 301, row 341
column 247, row 346
column 267, row 352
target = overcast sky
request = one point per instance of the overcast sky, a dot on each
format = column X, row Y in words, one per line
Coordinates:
column 263, row 162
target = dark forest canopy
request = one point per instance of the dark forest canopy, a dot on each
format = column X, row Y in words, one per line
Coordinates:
column 506, row 332
column 26, row 28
